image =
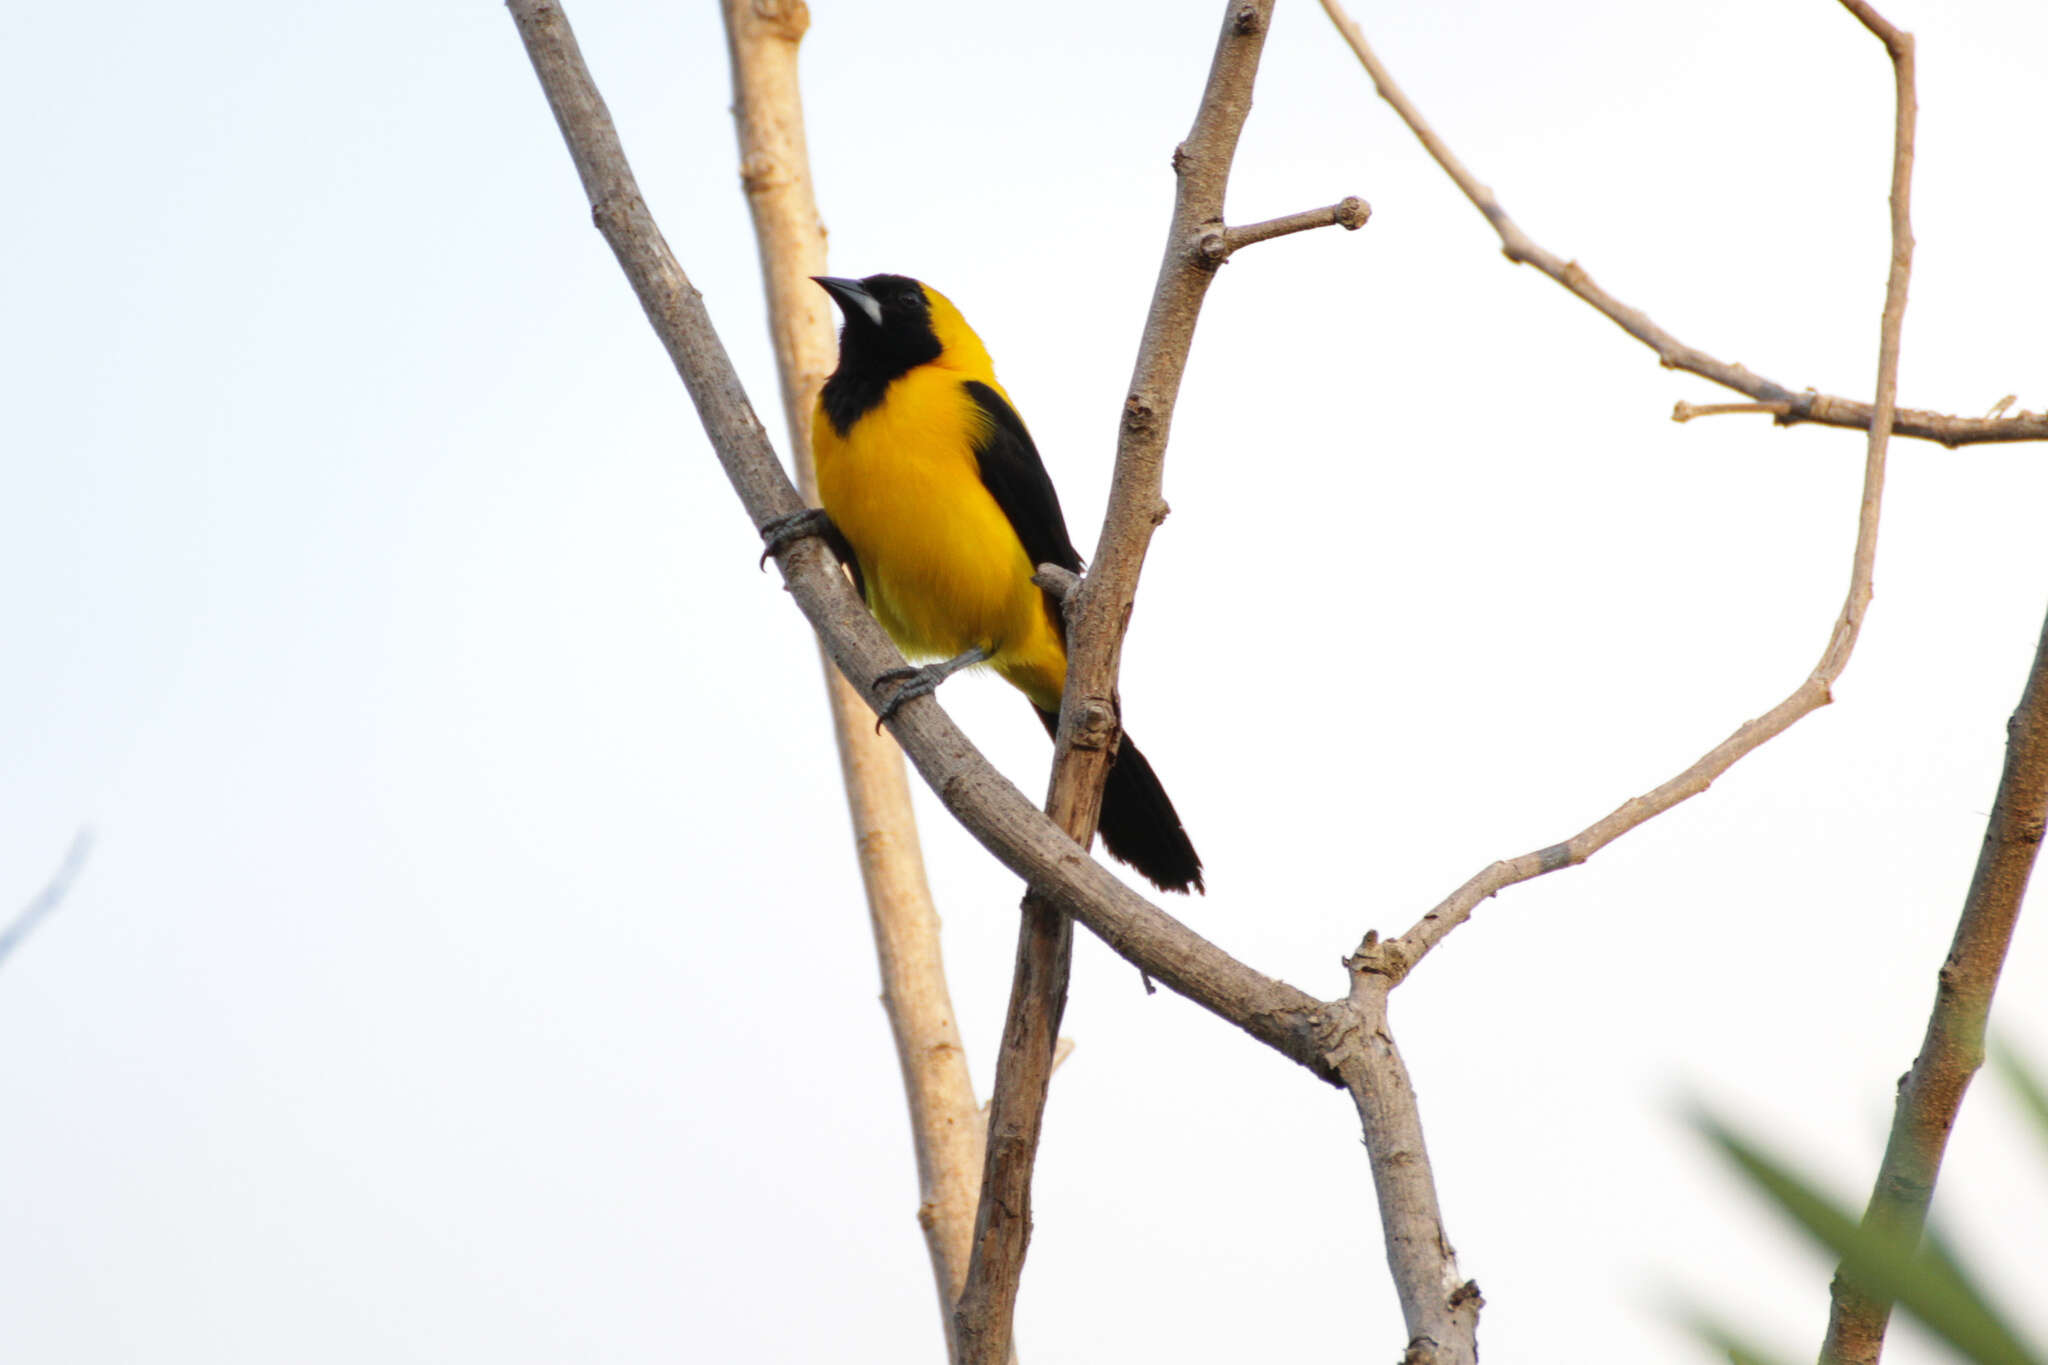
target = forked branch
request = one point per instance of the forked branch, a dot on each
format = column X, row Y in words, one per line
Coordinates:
column 1816, row 691
column 1799, row 406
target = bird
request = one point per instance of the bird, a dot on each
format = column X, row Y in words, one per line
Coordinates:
column 936, row 497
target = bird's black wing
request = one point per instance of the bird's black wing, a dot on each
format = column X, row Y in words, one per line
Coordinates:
column 1016, row 477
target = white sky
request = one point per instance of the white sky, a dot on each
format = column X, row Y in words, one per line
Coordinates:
column 472, row 964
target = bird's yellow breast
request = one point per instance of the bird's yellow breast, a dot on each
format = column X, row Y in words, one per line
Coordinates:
column 945, row 571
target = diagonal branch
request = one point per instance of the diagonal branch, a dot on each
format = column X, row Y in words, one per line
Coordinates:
column 1802, row 406
column 945, row 1122
column 988, row 804
column 1932, row 1093
column 1339, row 1041
column 1811, row 694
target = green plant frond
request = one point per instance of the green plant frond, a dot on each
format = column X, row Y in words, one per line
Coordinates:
column 1719, row 1338
column 1931, row 1284
column 2027, row 1082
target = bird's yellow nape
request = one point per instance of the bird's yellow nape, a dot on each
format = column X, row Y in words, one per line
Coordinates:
column 959, row 348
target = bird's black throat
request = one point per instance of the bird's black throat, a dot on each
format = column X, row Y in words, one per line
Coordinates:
column 873, row 356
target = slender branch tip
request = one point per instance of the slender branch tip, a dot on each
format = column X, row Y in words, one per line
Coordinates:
column 1685, row 412
column 1220, row 243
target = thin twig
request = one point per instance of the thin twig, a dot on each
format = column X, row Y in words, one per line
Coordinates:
column 1815, row 692
column 1349, row 213
column 1683, row 411
column 1673, row 354
column 1336, row 1040
column 50, row 897
column 945, row 1122
column 1954, row 1046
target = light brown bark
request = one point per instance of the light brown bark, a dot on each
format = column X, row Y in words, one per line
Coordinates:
column 763, row 38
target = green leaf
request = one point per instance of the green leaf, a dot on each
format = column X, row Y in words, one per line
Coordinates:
column 1929, row 1284
column 2026, row 1082
column 1718, row 1337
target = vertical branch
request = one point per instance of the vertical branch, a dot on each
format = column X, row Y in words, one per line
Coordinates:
column 1096, row 619
column 1954, row 1047
column 1885, row 409
column 762, row 37
column 1101, row 608
column 984, row 1323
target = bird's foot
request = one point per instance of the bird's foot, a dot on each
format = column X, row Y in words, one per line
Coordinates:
column 813, row 521
column 782, row 531
column 912, row 683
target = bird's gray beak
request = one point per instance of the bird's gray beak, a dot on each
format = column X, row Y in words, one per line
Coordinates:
column 851, row 295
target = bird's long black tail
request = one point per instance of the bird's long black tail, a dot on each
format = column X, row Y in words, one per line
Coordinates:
column 1139, row 825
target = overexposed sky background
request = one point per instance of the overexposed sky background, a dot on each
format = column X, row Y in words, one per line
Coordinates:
column 472, row 962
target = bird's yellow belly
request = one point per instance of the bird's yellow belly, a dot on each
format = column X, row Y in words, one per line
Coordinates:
column 945, row 571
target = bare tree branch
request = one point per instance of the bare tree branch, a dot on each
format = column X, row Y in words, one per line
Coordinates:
column 1403, row 953
column 50, row 897
column 945, row 1122
column 984, row 1322
column 1097, row 614
column 1439, row 1306
column 1333, row 1039
column 1673, row 354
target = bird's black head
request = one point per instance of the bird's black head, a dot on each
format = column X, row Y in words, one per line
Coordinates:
column 888, row 333
column 888, row 321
